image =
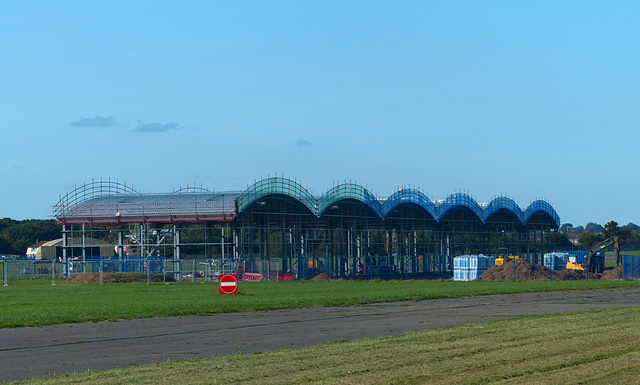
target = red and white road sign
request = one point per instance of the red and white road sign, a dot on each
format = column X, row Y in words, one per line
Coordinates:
column 228, row 283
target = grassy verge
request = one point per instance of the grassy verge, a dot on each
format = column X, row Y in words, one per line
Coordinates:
column 37, row 302
column 601, row 347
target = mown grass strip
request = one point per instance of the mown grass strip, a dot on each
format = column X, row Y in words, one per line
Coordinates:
column 563, row 365
column 590, row 347
column 37, row 303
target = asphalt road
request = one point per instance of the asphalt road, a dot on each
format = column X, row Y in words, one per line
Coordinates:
column 27, row 353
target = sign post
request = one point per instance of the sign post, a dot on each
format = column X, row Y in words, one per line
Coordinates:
column 228, row 283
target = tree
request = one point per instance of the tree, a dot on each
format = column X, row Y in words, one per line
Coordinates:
column 5, row 246
column 594, row 228
column 611, row 229
column 560, row 239
column 7, row 222
column 576, row 230
column 589, row 239
column 565, row 228
column 634, row 238
column 22, row 234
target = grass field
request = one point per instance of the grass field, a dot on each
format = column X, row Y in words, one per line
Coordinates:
column 37, row 302
column 601, row 347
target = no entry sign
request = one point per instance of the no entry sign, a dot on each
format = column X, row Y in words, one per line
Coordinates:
column 228, row 283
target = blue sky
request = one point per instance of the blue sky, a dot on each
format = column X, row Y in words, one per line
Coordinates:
column 523, row 99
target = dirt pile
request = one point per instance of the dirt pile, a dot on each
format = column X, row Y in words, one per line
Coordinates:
column 527, row 271
column 115, row 278
column 322, row 277
column 572, row 275
column 615, row 274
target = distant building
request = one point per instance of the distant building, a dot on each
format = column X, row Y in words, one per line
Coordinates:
column 573, row 238
column 53, row 249
column 34, row 250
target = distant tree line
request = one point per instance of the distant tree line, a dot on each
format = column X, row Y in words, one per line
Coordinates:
column 16, row 236
column 594, row 233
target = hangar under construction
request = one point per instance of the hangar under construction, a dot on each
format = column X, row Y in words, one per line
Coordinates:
column 276, row 227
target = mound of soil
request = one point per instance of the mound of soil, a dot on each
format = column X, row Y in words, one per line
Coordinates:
column 527, row 271
column 322, row 277
column 115, row 278
column 572, row 275
column 615, row 274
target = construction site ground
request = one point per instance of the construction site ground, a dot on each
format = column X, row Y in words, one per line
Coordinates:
column 527, row 271
column 27, row 353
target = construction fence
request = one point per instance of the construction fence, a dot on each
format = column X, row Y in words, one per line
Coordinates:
column 206, row 270
column 631, row 267
column 189, row 270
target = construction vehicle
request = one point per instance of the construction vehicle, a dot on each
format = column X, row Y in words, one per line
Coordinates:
column 595, row 256
column 573, row 264
column 502, row 259
column 502, row 256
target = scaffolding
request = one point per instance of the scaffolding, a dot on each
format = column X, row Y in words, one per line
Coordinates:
column 109, row 203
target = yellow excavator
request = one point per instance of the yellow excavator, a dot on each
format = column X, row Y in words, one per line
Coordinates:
column 595, row 256
column 503, row 256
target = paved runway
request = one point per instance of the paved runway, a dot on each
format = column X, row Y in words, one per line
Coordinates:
column 27, row 353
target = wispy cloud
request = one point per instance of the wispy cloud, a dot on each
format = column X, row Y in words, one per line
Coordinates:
column 303, row 143
column 98, row 121
column 157, row 127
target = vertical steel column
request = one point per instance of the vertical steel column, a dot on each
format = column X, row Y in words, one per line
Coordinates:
column 267, row 257
column 353, row 247
column 207, row 249
column 339, row 255
column 141, row 240
column 222, row 244
column 193, row 277
column 252, row 225
column 328, row 260
column 84, row 264
column 176, row 242
column 283, row 253
column 53, row 272
column 314, row 245
column 120, row 245
column 414, row 250
column 64, row 242
column 303, row 260
column 64, row 250
column 234, row 228
column 176, row 254
column 367, row 247
column 423, row 246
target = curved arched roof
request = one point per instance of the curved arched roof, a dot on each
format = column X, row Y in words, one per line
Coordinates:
column 540, row 206
column 349, row 191
column 409, row 196
column 276, row 186
column 383, row 209
column 111, row 203
column 460, row 201
column 503, row 204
